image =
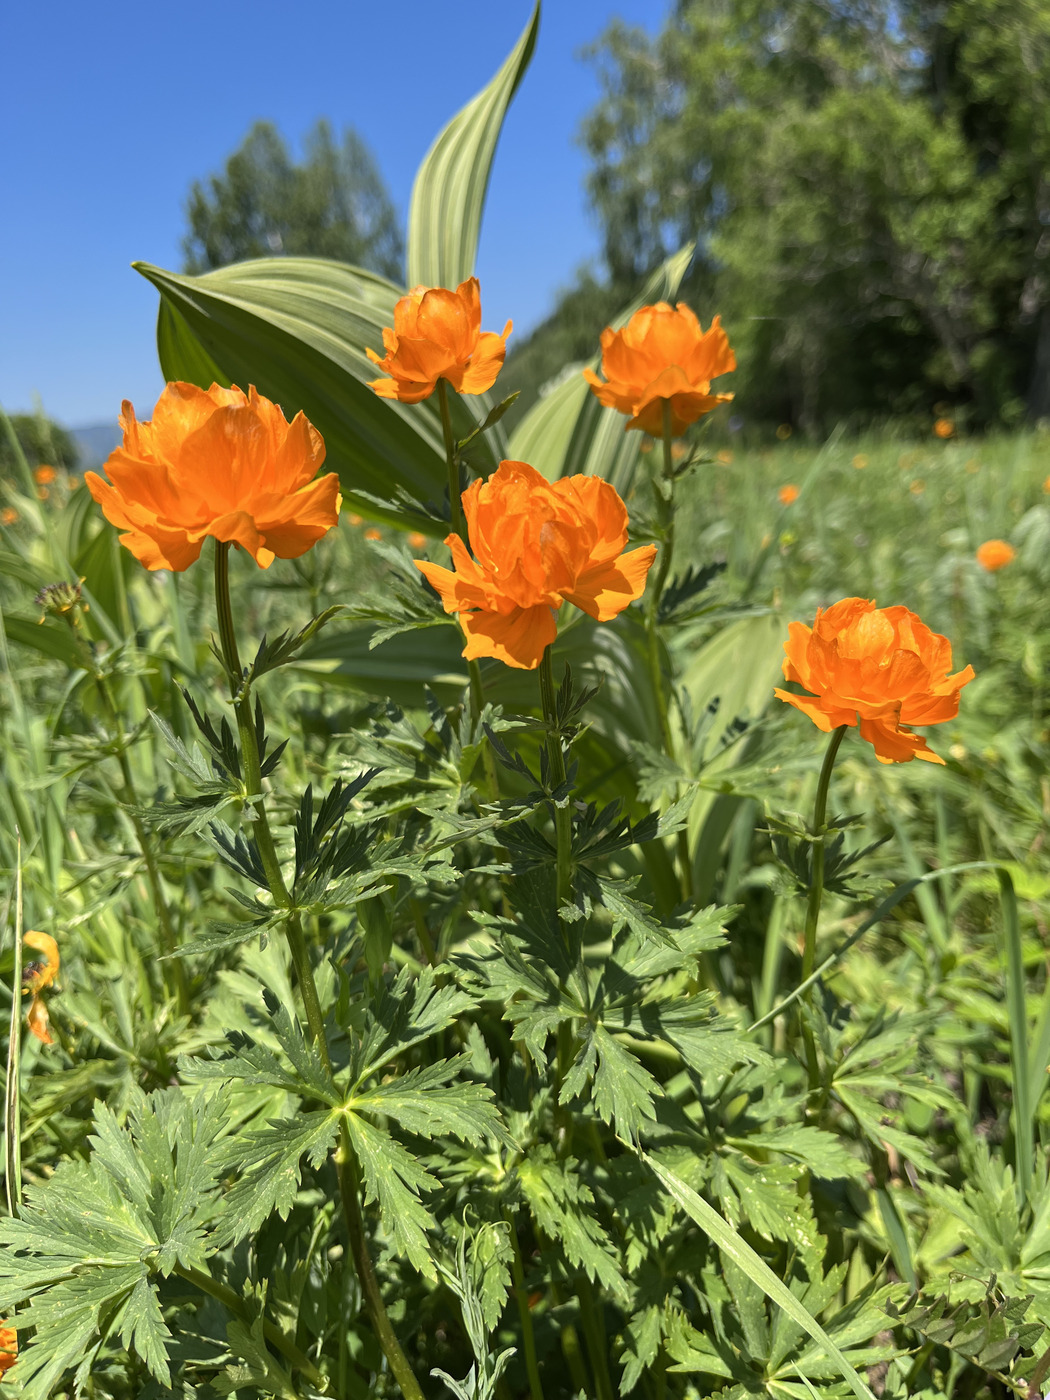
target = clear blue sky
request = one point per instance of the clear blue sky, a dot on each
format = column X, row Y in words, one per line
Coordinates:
column 108, row 111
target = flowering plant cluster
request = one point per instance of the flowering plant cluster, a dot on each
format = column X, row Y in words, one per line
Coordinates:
column 466, row 1020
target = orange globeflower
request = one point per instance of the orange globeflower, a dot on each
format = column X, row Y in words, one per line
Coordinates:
column 373, row 534
column 8, row 1348
column 994, row 555
column 216, row 462
column 944, row 428
column 536, row 543
column 417, row 540
column 36, row 977
column 881, row 668
column 8, row 515
column 788, row 494
column 437, row 335
column 662, row 355
column 44, row 476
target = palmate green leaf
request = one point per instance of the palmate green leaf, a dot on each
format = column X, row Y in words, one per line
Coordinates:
column 411, row 1010
column 563, row 1207
column 297, row 329
column 270, row 1159
column 624, row 1091
column 394, row 1179
column 448, row 196
column 736, row 1249
column 568, row 431
column 143, row 1329
column 424, row 1102
column 91, row 1238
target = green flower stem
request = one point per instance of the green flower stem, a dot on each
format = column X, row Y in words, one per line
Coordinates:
column 346, row 1162
column 562, row 814
column 477, row 693
column 168, row 937
column 816, row 888
column 664, row 491
column 521, row 1296
column 236, row 1305
column 455, row 508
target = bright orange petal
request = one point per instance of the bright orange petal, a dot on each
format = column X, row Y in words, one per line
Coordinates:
column 605, row 591
column 518, row 639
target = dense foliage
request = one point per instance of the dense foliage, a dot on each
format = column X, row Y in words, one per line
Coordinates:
column 867, row 184
column 552, row 1021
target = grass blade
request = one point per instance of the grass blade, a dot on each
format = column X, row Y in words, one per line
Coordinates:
column 760, row 1274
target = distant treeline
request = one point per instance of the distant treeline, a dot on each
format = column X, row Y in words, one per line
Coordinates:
column 868, row 182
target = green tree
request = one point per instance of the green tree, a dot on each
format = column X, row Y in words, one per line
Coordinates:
column 333, row 204
column 867, row 182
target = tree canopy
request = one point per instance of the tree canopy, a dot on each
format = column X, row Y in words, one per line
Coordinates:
column 332, row 204
column 869, row 185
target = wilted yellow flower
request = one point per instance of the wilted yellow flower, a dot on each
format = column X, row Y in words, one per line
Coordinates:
column 37, row 976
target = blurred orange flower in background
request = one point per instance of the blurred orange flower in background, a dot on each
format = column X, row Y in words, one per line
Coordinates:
column 995, row 554
column 536, row 544
column 788, row 494
column 662, row 355
column 944, row 428
column 216, row 462
column 879, row 668
column 37, row 976
column 437, row 335
column 373, row 534
column 860, row 461
column 8, row 1348
column 417, row 540
column 44, row 475
column 8, row 515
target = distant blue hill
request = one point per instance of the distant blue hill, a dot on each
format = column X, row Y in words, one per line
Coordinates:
column 95, row 443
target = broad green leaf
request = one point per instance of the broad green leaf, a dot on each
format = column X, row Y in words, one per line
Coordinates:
column 297, row 329
column 444, row 217
column 568, row 431
column 736, row 1249
column 181, row 354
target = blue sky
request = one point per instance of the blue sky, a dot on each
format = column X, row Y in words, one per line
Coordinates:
column 108, row 111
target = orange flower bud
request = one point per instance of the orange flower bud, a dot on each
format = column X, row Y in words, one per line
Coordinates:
column 662, row 356
column 788, row 494
column 879, row 668
column 44, row 475
column 994, row 555
column 437, row 335
column 216, row 462
column 536, row 544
